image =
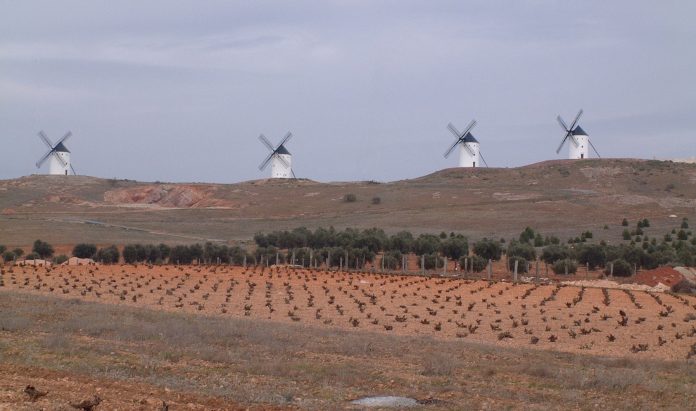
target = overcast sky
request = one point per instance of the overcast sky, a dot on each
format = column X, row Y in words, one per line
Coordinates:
column 179, row 90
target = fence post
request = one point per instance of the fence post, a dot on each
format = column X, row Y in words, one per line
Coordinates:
column 382, row 262
column 537, row 271
column 514, row 274
column 587, row 270
column 611, row 270
column 490, row 269
column 423, row 264
column 245, row 262
column 444, row 267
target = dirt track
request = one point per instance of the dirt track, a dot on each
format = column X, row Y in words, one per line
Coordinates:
column 562, row 318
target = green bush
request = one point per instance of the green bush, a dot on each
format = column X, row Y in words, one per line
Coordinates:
column 560, row 266
column 350, row 198
column 592, row 255
column 392, row 260
column 8, row 256
column 552, row 253
column 476, row 263
column 622, row 268
column 43, row 249
column 60, row 259
column 2, row 249
column 83, row 250
column 32, row 256
column 521, row 265
column 517, row 249
column 488, row 249
column 376, row 200
column 455, row 247
column 624, row 223
column 18, row 252
column 433, row 261
column 108, row 255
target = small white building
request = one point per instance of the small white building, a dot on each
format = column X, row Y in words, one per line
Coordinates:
column 59, row 162
column 281, row 164
column 469, row 152
column 579, row 146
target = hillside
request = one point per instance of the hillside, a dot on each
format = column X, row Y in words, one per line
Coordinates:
column 556, row 197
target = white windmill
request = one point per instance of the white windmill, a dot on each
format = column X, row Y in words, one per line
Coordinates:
column 469, row 148
column 279, row 157
column 579, row 146
column 58, row 156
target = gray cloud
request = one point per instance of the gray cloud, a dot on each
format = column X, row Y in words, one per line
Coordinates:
column 179, row 90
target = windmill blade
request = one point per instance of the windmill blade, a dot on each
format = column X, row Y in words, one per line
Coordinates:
column 266, row 143
column 284, row 140
column 468, row 129
column 483, row 159
column 593, row 148
column 575, row 122
column 558, row 150
column 265, row 162
column 46, row 140
column 562, row 123
column 282, row 160
column 65, row 137
column 73, row 170
column 449, row 151
column 293, row 174
column 44, row 158
column 466, row 146
column 454, row 130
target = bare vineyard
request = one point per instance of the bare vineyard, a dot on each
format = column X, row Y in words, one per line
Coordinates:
column 565, row 318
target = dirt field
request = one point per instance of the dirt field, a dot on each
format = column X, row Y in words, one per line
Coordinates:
column 561, row 198
column 594, row 321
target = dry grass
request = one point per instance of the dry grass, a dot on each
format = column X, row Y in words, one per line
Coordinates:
column 257, row 361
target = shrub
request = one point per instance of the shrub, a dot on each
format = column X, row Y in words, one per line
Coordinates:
column 18, row 252
column 592, row 255
column 521, row 265
column 527, row 235
column 32, row 256
column 488, row 249
column 2, row 249
column 60, row 259
column 622, row 268
column 685, row 223
column 455, row 247
column 476, row 263
column 43, row 249
column 560, row 266
column 624, row 223
column 553, row 253
column 626, row 234
column 8, row 256
column 350, row 198
column 108, row 255
column 426, row 244
column 84, row 250
column 402, row 241
column 517, row 249
column 392, row 260
column 433, row 261
column 130, row 254
column 376, row 200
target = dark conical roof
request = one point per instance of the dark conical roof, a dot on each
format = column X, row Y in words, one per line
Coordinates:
column 469, row 138
column 578, row 131
column 282, row 150
column 61, row 148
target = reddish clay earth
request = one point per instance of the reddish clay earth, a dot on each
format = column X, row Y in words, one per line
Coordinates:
column 548, row 317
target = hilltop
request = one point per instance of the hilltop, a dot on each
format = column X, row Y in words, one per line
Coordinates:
column 557, row 197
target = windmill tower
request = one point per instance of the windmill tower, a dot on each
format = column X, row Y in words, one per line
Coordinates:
column 469, row 148
column 58, row 156
column 279, row 157
column 579, row 146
